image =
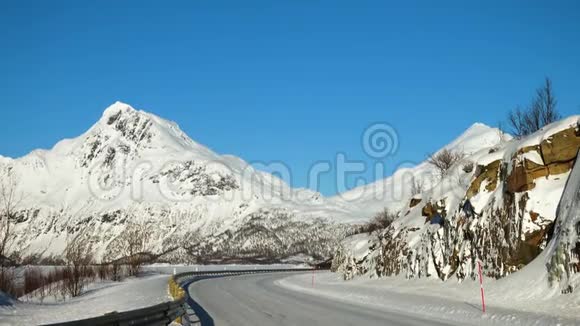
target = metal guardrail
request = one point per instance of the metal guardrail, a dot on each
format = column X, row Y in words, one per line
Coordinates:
column 167, row 312
column 161, row 314
column 181, row 276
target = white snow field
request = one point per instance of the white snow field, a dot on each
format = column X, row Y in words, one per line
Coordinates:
column 99, row 299
column 291, row 299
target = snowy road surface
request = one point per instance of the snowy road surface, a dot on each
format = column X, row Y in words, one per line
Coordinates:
column 279, row 299
column 257, row 300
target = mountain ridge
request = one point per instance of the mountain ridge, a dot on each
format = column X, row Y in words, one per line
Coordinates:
column 135, row 167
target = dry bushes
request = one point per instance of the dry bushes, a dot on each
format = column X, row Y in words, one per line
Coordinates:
column 62, row 282
column 380, row 221
column 10, row 199
column 130, row 247
column 540, row 112
column 444, row 160
column 78, row 255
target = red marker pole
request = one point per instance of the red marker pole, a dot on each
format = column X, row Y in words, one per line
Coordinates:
column 481, row 287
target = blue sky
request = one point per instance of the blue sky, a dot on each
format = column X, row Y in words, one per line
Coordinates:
column 290, row 81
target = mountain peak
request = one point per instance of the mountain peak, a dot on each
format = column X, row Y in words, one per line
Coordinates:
column 479, row 126
column 476, row 137
column 117, row 107
column 146, row 130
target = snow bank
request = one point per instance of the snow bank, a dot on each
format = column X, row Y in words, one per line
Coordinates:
column 458, row 302
column 101, row 298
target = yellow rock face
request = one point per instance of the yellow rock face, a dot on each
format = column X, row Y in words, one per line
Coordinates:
column 558, row 153
column 489, row 173
column 428, row 210
column 561, row 147
column 559, row 168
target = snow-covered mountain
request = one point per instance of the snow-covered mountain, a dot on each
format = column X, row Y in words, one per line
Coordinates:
column 394, row 191
column 514, row 185
column 133, row 167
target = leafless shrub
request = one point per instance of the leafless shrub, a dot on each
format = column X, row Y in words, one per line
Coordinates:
column 10, row 199
column 111, row 272
column 65, row 281
column 38, row 284
column 52, row 261
column 444, row 160
column 53, row 283
column 116, row 272
column 34, row 282
column 542, row 111
column 104, row 272
column 8, row 282
column 131, row 246
column 380, row 221
column 78, row 254
column 33, row 259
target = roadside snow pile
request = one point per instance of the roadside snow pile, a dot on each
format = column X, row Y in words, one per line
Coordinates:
column 99, row 299
column 443, row 301
column 564, row 250
column 514, row 188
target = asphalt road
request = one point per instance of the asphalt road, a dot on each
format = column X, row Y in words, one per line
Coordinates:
column 256, row 300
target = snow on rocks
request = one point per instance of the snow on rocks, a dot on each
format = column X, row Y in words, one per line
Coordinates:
column 564, row 250
column 514, row 189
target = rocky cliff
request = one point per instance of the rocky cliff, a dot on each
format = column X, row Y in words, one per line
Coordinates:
column 514, row 186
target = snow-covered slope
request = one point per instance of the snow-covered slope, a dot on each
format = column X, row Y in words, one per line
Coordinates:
column 514, row 186
column 394, row 191
column 100, row 298
column 134, row 168
column 564, row 250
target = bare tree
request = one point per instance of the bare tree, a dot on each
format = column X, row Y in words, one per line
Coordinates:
column 78, row 255
column 542, row 111
column 516, row 121
column 384, row 218
column 133, row 244
column 444, row 160
column 10, row 199
column 546, row 102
